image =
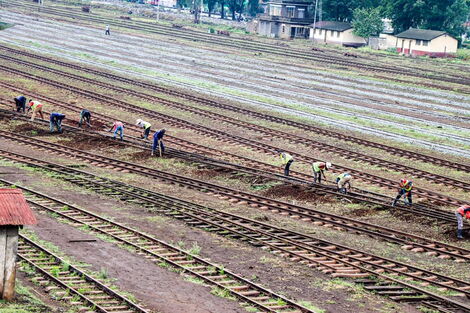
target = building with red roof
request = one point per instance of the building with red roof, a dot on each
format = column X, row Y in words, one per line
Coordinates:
column 14, row 212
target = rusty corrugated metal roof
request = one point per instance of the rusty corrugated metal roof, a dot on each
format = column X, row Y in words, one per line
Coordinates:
column 14, row 210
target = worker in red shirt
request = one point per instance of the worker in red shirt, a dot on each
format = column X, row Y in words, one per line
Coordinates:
column 405, row 190
column 118, row 127
column 463, row 211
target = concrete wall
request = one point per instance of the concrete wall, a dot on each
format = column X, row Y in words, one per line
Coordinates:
column 439, row 46
column 335, row 37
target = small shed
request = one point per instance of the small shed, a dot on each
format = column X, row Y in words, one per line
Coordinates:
column 339, row 33
column 14, row 212
column 434, row 43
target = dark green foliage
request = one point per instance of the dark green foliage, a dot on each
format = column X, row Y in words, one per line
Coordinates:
column 367, row 22
column 446, row 15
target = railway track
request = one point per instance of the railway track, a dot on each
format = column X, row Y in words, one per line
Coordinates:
column 408, row 241
column 159, row 251
column 331, row 258
column 265, row 171
column 211, row 103
column 229, row 138
column 69, row 283
column 265, row 131
column 252, row 46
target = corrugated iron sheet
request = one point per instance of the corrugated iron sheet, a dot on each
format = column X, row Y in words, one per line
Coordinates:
column 14, row 210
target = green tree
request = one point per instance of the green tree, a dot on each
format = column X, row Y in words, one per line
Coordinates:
column 367, row 22
column 253, row 7
column 342, row 10
column 210, row 5
column 448, row 15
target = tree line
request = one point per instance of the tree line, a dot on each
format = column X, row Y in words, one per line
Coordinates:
column 446, row 15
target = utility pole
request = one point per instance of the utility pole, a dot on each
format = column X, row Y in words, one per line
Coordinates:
column 314, row 20
column 158, row 11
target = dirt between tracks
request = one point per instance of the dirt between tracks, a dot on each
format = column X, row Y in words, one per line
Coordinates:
column 297, row 192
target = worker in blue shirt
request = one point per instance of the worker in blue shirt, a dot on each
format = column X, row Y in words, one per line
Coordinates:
column 55, row 121
column 85, row 116
column 20, row 103
column 158, row 141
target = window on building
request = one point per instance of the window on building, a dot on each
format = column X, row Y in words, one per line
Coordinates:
column 290, row 12
column 332, row 33
column 283, row 29
column 301, row 13
column 321, row 30
column 418, row 42
column 275, row 10
column 425, row 42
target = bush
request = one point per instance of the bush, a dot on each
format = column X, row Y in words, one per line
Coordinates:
column 463, row 54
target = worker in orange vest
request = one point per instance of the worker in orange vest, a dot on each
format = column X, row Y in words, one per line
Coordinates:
column 463, row 211
column 405, row 189
column 36, row 106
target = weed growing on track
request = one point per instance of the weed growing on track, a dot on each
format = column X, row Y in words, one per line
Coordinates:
column 222, row 293
column 194, row 280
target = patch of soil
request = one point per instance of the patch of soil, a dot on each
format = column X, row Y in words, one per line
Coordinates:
column 362, row 212
column 31, row 129
column 296, row 192
column 207, row 173
column 84, row 142
column 141, row 155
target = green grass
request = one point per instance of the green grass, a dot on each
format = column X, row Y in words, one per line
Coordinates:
column 25, row 302
column 311, row 307
column 4, row 25
column 222, row 293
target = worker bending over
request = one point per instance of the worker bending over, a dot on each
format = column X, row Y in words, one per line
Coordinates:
column 463, row 211
column 287, row 160
column 146, row 126
column 158, row 142
column 405, row 189
column 36, row 107
column 55, row 121
column 344, row 182
column 20, row 104
column 319, row 169
column 85, row 115
column 118, row 127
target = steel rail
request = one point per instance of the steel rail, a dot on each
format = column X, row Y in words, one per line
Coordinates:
column 312, row 250
column 158, row 88
column 292, row 138
column 357, row 196
column 414, row 243
column 240, row 287
column 184, row 180
column 229, row 138
column 154, row 28
column 74, row 280
column 265, row 170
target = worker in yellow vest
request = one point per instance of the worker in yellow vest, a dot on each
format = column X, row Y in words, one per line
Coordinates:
column 344, row 182
column 319, row 169
column 287, row 160
column 36, row 107
column 405, row 190
column 146, row 126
